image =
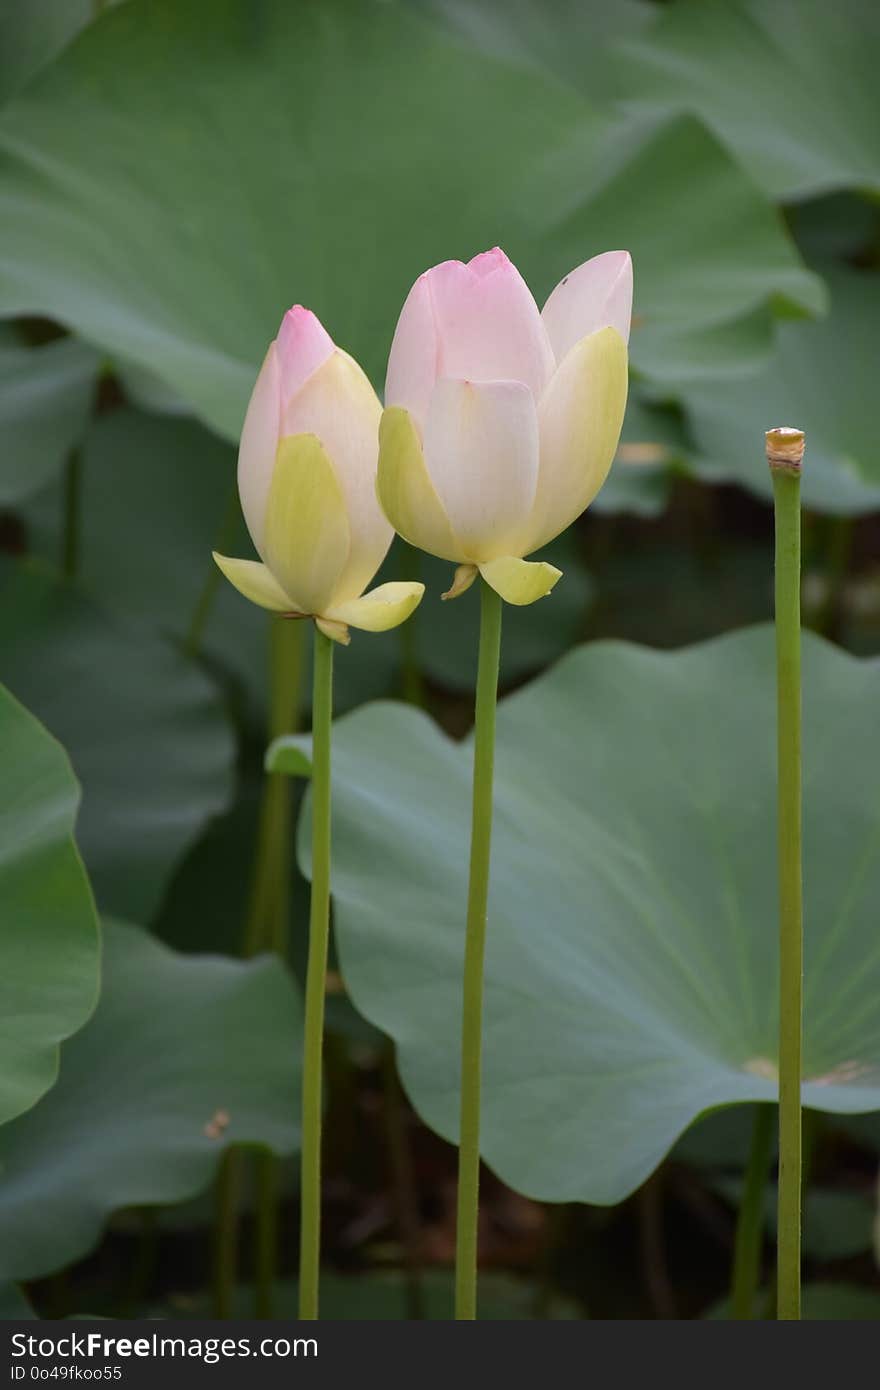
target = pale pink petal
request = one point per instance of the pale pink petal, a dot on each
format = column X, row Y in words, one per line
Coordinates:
column 481, row 451
column 303, row 346
column 475, row 322
column 596, row 295
column 412, row 362
column 487, row 262
column 259, row 441
column 488, row 325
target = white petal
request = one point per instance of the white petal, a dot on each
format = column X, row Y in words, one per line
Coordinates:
column 596, row 295
column 481, row 450
column 412, row 362
column 259, row 441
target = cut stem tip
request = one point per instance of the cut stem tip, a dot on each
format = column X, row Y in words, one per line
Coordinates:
column 785, row 449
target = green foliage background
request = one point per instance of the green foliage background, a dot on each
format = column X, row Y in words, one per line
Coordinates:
column 173, row 175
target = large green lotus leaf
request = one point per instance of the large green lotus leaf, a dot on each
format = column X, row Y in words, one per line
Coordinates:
column 631, row 957
column 32, row 33
column 146, row 731
column 49, row 950
column 655, row 186
column 157, row 495
column 570, row 38
column 822, row 379
column 45, row 397
column 790, row 86
column 175, row 1042
column 170, row 209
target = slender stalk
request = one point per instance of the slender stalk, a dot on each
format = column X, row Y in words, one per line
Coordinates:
column 403, row 1186
column 142, row 1268
column 316, row 976
column 269, row 916
column 266, row 1234
column 474, row 952
column 785, row 452
column 70, row 534
column 266, row 926
column 266, row 922
column 226, row 1232
column 750, row 1225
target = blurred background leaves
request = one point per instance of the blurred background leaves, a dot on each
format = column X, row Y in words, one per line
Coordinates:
column 48, row 930
column 145, row 729
column 152, row 1091
column 175, row 173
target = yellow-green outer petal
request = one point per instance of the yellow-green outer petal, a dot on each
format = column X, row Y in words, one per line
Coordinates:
column 307, row 536
column 520, row 581
column 405, row 490
column 256, row 583
column 337, row 632
column 382, row 608
column 461, row 581
column 580, row 417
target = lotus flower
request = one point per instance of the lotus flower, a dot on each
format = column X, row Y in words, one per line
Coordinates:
column 501, row 422
column 307, row 480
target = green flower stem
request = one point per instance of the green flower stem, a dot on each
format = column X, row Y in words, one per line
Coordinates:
column 750, row 1225
column 266, row 923
column 266, row 1234
column 266, row 926
column 269, row 915
column 786, row 492
column 403, row 1185
column 228, row 1197
column 475, row 942
column 316, row 976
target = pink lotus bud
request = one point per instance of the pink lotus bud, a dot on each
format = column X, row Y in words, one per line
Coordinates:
column 307, row 482
column 512, row 417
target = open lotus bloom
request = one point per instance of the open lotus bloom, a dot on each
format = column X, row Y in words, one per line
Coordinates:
column 501, row 422
column 307, row 482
